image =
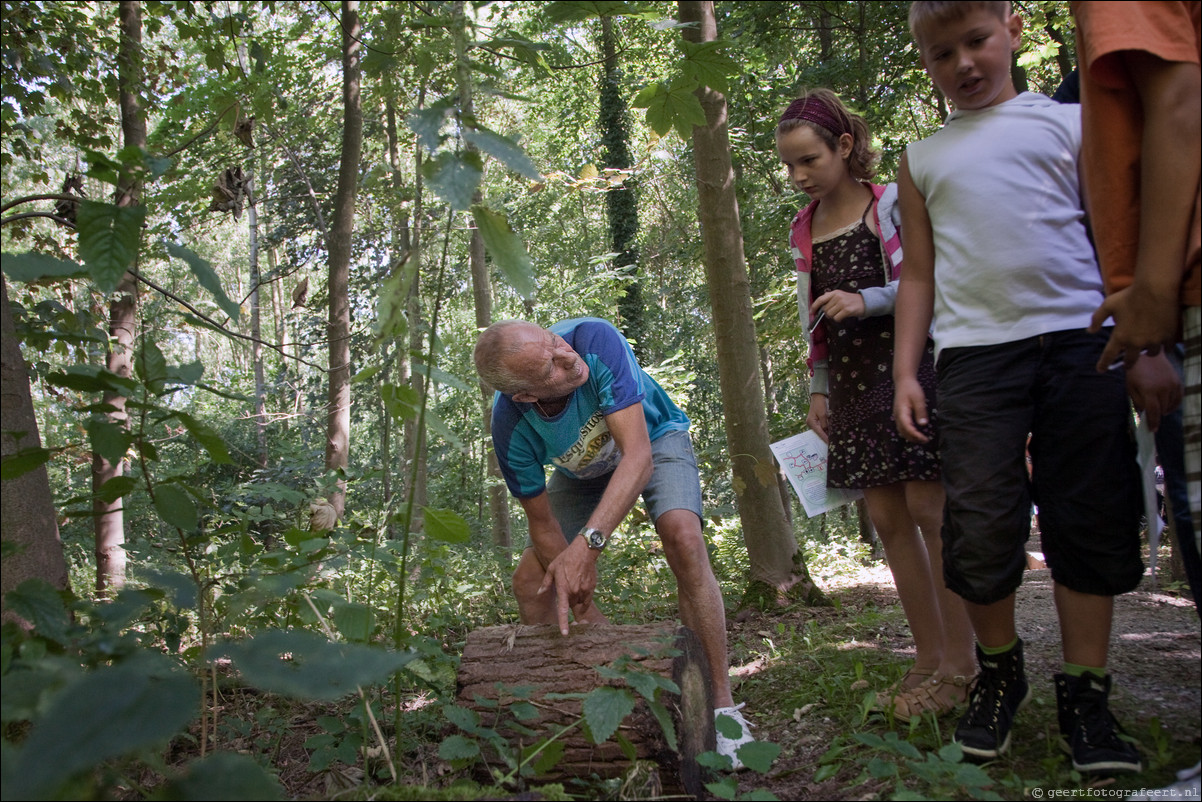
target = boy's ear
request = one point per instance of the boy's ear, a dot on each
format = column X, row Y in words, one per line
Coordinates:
column 1014, row 27
column 524, row 397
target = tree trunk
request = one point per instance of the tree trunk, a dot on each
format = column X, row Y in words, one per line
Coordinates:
column 498, row 499
column 621, row 204
column 776, row 563
column 498, row 494
column 27, row 515
column 109, row 526
column 414, row 466
column 256, row 320
column 539, row 659
column 402, row 252
column 338, row 426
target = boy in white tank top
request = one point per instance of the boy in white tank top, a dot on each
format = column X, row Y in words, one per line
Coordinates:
column 998, row 258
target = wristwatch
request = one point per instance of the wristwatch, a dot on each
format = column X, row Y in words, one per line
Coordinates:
column 595, row 538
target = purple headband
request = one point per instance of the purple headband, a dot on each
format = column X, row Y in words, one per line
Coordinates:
column 815, row 111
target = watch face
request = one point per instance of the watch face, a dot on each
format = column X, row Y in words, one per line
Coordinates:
column 596, row 538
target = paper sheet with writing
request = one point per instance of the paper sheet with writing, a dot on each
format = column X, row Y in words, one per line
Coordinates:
column 803, row 459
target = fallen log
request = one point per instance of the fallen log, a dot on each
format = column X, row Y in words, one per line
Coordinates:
column 546, row 674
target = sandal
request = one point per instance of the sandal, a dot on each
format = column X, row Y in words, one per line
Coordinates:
column 937, row 695
column 913, row 678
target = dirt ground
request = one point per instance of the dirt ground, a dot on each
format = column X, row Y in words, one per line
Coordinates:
column 1155, row 660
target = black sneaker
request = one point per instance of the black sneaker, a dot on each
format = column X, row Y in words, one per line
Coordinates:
column 1089, row 732
column 1000, row 692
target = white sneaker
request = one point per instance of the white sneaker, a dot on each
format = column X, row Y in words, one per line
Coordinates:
column 729, row 746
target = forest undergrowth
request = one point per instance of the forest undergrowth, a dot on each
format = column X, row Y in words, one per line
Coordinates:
column 808, row 676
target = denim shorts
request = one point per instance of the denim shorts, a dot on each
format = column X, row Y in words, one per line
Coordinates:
column 1083, row 475
column 674, row 485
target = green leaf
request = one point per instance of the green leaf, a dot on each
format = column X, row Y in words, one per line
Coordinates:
column 176, row 507
column 109, row 712
column 455, row 177
column 23, row 461
column 727, row 787
column 446, row 525
column 758, row 755
column 178, row 586
column 604, row 708
column 152, row 367
column 580, row 10
column 391, row 318
column 672, row 107
column 188, row 373
column 506, row 248
column 108, row 240
column 222, row 775
column 706, row 64
column 504, row 150
column 881, row 769
column 22, row 694
column 116, row 488
column 207, row 277
column 951, row 752
column 548, row 757
column 907, row 749
column 440, row 376
column 32, row 267
column 207, row 437
column 354, row 620
column 523, row 711
column 728, row 726
column 455, row 749
column 427, row 124
column 464, row 718
column 93, row 379
column 101, row 167
column 39, row 603
column 400, row 400
column 665, row 722
column 307, row 666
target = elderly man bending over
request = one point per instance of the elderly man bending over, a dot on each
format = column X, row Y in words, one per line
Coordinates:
column 573, row 396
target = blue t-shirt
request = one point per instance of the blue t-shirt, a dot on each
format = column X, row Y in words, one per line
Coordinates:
column 577, row 440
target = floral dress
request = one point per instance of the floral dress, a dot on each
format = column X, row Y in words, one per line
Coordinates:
column 865, row 447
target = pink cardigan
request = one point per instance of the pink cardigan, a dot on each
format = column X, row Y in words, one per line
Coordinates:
column 877, row 300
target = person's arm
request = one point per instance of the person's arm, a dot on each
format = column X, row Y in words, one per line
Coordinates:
column 573, row 572
column 914, row 310
column 545, row 533
column 1154, row 387
column 818, row 418
column 1171, row 93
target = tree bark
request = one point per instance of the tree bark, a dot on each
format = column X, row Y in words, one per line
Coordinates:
column 338, row 411
column 499, row 661
column 27, row 515
column 109, row 526
column 776, row 562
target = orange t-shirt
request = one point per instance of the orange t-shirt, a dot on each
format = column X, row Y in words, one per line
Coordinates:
column 1112, row 118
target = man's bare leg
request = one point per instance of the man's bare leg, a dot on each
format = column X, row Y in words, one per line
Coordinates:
column 700, row 598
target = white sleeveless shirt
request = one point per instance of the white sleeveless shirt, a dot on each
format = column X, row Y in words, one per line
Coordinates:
column 1012, row 257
